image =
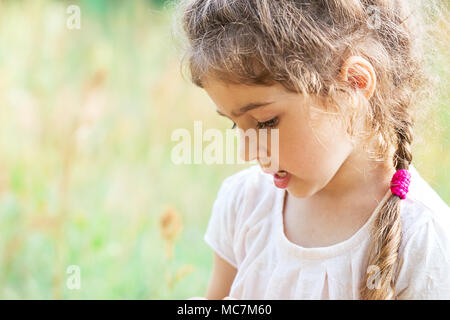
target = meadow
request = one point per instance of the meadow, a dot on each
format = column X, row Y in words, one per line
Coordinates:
column 86, row 177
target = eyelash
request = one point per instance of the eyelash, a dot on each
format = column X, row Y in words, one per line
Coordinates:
column 261, row 125
column 272, row 123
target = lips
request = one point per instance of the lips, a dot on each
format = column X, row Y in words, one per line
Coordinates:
column 281, row 179
column 281, row 174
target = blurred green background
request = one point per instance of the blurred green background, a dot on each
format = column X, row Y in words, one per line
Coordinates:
column 86, row 118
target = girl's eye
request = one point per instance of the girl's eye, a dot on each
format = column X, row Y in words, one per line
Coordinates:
column 268, row 124
column 234, row 125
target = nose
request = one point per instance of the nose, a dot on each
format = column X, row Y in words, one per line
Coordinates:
column 253, row 149
column 268, row 170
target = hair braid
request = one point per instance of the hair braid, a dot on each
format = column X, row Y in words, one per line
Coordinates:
column 387, row 229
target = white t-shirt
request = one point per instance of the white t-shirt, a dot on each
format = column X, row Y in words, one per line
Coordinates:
column 246, row 229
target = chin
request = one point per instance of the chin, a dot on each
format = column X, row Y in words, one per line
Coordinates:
column 297, row 194
column 302, row 191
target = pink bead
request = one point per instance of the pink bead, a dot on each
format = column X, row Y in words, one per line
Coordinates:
column 400, row 183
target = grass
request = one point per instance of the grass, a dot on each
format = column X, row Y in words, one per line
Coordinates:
column 85, row 123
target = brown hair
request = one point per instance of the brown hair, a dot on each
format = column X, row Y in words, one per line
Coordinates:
column 302, row 45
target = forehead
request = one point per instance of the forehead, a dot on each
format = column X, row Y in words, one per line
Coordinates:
column 230, row 96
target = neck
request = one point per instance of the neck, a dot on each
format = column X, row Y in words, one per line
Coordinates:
column 358, row 178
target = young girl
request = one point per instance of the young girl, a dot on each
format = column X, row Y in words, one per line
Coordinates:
column 345, row 215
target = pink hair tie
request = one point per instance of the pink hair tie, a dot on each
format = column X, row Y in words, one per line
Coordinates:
column 400, row 183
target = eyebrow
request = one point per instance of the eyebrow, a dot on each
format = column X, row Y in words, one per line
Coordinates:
column 248, row 107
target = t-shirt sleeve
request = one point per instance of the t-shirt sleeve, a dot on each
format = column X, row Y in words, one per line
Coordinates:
column 425, row 273
column 221, row 230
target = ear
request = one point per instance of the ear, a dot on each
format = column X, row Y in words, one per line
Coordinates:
column 360, row 74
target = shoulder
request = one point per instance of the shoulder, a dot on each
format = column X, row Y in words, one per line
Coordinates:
column 245, row 190
column 424, row 232
column 423, row 206
column 422, row 192
column 248, row 185
column 243, row 199
column 424, row 262
column 223, row 226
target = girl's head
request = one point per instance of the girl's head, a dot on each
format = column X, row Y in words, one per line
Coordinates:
column 313, row 144
column 339, row 77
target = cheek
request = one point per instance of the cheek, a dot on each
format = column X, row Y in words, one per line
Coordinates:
column 315, row 153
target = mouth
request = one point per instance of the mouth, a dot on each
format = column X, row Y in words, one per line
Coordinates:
column 281, row 179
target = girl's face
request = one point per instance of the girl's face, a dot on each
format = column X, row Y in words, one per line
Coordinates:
column 313, row 145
